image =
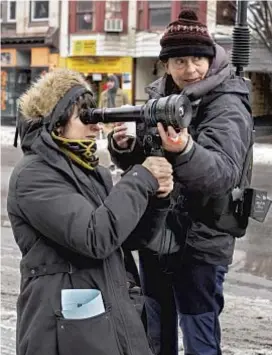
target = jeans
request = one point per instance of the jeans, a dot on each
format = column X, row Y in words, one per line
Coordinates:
column 192, row 293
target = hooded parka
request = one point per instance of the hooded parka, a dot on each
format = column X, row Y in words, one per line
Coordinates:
column 71, row 226
column 205, row 175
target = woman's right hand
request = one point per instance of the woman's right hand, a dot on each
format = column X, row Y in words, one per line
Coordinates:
column 120, row 135
column 162, row 170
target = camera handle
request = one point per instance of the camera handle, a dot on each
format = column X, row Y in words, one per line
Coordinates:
column 152, row 143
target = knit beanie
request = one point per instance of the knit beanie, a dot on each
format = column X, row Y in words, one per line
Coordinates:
column 186, row 37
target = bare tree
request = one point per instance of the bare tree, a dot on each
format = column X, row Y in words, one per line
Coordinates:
column 260, row 21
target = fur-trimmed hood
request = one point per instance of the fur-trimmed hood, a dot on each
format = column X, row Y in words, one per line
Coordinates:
column 43, row 100
column 44, row 94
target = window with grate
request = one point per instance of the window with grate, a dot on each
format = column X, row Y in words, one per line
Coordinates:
column 192, row 5
column 225, row 13
column 11, row 11
column 159, row 13
column 39, row 10
column 113, row 10
column 84, row 15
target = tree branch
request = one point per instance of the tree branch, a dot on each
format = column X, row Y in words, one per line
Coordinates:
column 262, row 15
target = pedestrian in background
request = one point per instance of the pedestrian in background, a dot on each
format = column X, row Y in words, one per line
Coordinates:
column 208, row 161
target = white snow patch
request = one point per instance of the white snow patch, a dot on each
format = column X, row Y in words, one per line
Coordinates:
column 262, row 153
column 7, row 135
column 6, row 224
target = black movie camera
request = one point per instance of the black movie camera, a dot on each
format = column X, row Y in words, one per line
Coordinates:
column 173, row 110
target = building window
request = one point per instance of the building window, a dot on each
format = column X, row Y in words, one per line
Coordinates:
column 11, row 11
column 113, row 10
column 84, row 16
column 159, row 13
column 39, row 10
column 192, row 5
column 225, row 13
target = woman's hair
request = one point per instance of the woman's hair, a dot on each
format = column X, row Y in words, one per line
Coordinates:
column 82, row 103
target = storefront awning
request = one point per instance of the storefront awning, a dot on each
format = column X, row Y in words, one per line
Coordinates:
column 50, row 39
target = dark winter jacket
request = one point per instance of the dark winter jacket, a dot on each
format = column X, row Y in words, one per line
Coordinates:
column 206, row 175
column 70, row 226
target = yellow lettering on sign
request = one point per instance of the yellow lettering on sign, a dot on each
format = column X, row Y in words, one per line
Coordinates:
column 100, row 65
column 84, row 48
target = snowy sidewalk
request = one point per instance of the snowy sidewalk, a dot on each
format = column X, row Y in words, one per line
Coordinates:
column 7, row 135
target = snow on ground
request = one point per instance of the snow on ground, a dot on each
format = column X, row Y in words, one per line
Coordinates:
column 263, row 153
column 246, row 326
column 7, row 135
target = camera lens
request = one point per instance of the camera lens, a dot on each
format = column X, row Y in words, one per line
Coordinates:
column 173, row 110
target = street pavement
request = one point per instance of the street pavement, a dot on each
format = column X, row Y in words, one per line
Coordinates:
column 247, row 317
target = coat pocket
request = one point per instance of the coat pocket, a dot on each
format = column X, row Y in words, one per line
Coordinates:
column 90, row 336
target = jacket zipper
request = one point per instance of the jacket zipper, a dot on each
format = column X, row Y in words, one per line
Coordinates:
column 119, row 309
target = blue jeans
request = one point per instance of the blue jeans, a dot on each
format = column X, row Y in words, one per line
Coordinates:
column 193, row 293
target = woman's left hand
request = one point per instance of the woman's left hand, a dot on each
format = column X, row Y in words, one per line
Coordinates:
column 171, row 140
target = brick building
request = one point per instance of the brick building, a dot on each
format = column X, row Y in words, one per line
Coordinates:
column 29, row 47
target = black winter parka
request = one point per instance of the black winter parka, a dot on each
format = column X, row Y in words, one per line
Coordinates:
column 70, row 226
column 205, row 176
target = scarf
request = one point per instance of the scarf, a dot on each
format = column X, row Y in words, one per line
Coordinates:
column 81, row 151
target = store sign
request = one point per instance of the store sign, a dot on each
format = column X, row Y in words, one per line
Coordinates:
column 4, row 81
column 83, row 48
column 8, row 92
column 117, row 65
column 5, row 58
column 8, row 57
column 40, row 57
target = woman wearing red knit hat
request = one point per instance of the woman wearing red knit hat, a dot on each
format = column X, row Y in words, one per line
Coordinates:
column 208, row 161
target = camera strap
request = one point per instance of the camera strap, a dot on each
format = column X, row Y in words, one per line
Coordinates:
column 248, row 163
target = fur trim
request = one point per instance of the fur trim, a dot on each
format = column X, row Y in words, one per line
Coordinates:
column 44, row 94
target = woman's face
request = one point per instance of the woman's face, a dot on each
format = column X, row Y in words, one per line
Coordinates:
column 110, row 84
column 75, row 129
column 187, row 70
